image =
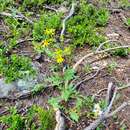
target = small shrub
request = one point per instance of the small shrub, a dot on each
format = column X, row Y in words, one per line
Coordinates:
column 13, row 120
column 82, row 27
column 51, row 21
column 15, row 67
column 102, row 17
column 124, row 3
column 121, row 52
column 35, row 118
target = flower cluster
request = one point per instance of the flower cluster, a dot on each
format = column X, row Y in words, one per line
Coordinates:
column 50, row 32
column 45, row 43
column 60, row 54
column 46, row 46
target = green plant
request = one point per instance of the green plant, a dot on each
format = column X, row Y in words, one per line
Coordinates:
column 124, row 3
column 83, row 26
column 40, row 2
column 121, row 52
column 128, row 22
column 35, row 118
column 102, row 17
column 67, row 90
column 15, row 67
column 14, row 120
column 112, row 66
column 103, row 104
column 123, row 127
column 74, row 115
column 46, row 22
column 45, row 118
column 88, row 68
column 37, row 89
column 67, row 93
column 4, row 4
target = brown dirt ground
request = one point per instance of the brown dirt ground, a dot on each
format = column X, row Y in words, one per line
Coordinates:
column 92, row 86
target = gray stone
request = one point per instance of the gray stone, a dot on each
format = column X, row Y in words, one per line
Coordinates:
column 21, row 85
column 5, row 88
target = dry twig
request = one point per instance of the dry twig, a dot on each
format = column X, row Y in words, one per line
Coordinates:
column 50, row 8
column 18, row 16
column 60, row 121
column 107, row 114
column 88, row 78
column 65, row 19
column 95, row 53
column 118, row 89
column 102, row 44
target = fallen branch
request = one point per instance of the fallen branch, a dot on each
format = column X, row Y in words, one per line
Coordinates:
column 24, row 40
column 95, row 53
column 102, row 44
column 91, row 77
column 50, row 8
column 18, row 16
column 65, row 19
column 107, row 114
column 87, row 79
column 60, row 121
column 102, row 118
column 118, row 89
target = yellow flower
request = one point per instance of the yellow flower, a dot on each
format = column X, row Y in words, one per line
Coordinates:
column 59, row 59
column 49, row 31
column 45, row 43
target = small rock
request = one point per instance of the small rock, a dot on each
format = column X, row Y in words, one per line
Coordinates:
column 113, row 36
column 62, row 9
column 21, row 85
column 5, row 88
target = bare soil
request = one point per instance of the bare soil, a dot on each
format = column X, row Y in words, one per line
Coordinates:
column 93, row 85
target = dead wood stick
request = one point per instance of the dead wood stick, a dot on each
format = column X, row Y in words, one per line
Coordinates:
column 111, row 94
column 60, row 121
column 121, row 107
column 102, row 117
column 50, row 8
column 94, row 53
column 65, row 19
column 118, row 89
column 93, row 125
column 102, row 44
column 107, row 114
column 87, row 79
column 18, row 16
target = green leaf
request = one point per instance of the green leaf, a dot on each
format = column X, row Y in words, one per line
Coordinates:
column 74, row 116
column 55, row 80
column 54, row 102
column 67, row 92
column 69, row 74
